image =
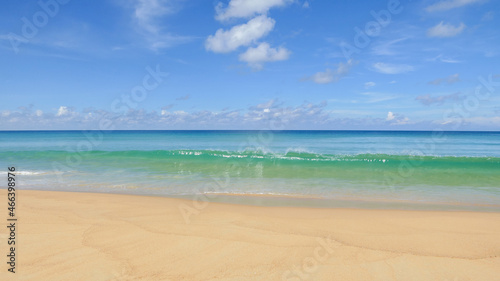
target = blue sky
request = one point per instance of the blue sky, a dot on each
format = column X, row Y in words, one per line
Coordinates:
column 250, row 64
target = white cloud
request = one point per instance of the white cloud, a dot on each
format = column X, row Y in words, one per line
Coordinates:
column 323, row 77
column 369, row 84
column 39, row 113
column 305, row 5
column 240, row 35
column 444, row 59
column 397, row 119
column 388, row 68
column 402, row 121
column 439, row 100
column 148, row 11
column 329, row 76
column 445, row 30
column 246, row 8
column 388, row 48
column 63, row 111
column 255, row 57
column 484, row 121
column 390, row 116
column 374, row 97
column 147, row 16
column 450, row 4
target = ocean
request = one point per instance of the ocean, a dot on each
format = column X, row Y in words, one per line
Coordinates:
column 372, row 169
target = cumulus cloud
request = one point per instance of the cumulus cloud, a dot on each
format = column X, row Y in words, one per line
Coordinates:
column 388, row 68
column 259, row 116
column 390, row 116
column 63, row 111
column 450, row 80
column 329, row 75
column 396, row 119
column 445, row 30
column 246, row 8
column 450, row 4
column 255, row 57
column 269, row 115
column 225, row 41
column 439, row 100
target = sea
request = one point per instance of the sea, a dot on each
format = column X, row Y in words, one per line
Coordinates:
column 430, row 170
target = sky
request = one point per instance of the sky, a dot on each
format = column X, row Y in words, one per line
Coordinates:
column 250, row 64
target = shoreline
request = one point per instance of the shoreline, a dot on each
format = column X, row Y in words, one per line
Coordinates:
column 307, row 201
column 97, row 236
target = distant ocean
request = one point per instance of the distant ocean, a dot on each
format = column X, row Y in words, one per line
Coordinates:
column 380, row 169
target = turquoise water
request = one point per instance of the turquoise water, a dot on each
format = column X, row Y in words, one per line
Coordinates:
column 453, row 170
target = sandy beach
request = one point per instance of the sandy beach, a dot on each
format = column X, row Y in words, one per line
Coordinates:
column 85, row 236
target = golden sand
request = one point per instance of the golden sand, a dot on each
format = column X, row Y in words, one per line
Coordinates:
column 85, row 236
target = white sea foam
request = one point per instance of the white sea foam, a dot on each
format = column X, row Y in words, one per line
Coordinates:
column 30, row 173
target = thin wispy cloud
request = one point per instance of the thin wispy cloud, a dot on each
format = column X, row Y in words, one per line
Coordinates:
column 246, row 8
column 369, row 84
column 186, row 97
column 442, row 58
column 388, row 68
column 387, row 48
column 450, row 80
column 438, row 100
column 445, row 30
column 329, row 75
column 451, row 4
column 148, row 15
column 375, row 97
column 488, row 16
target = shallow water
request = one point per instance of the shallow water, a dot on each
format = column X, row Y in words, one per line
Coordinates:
column 402, row 168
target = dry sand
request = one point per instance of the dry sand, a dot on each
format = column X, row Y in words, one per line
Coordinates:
column 84, row 236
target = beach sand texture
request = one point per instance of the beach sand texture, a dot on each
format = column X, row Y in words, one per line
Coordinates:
column 85, row 236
